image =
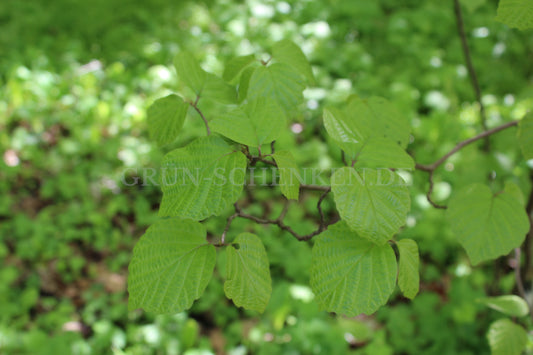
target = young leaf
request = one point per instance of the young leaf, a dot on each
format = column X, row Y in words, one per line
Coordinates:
column 487, row 225
column 351, row 275
column 278, row 82
column 201, row 179
column 372, row 132
column 384, row 153
column 257, row 122
column 516, row 13
column 510, row 305
column 366, row 118
column 248, row 281
column 236, row 66
column 525, row 135
column 165, row 118
column 506, row 338
column 288, row 181
column 244, row 83
column 408, row 276
column 190, row 71
column 171, row 266
column 218, row 90
column 286, row 51
column 374, row 203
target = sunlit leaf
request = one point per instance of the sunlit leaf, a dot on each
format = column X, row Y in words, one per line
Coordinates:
column 373, row 202
column 351, row 275
column 190, row 72
column 408, row 275
column 201, row 179
column 236, row 66
column 257, row 122
column 286, row 51
column 165, row 118
column 487, row 225
column 279, row 82
column 506, row 338
column 171, row 266
column 516, row 13
column 510, row 305
column 288, row 171
column 248, row 281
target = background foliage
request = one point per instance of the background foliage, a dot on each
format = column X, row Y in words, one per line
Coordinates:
column 77, row 79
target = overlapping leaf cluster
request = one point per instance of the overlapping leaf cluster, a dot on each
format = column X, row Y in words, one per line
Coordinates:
column 356, row 263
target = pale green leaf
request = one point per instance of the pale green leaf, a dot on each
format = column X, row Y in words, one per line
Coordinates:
column 351, row 275
column 218, row 90
column 506, row 338
column 473, row 5
column 165, row 118
column 248, row 281
column 286, row 51
column 236, row 66
column 244, row 82
column 190, row 72
column 487, row 225
column 201, row 179
column 370, row 131
column 373, row 202
column 289, row 173
column 525, row 135
column 512, row 189
column 516, row 13
column 171, row 266
column 383, row 153
column 257, row 122
column 408, row 276
column 278, row 82
column 510, row 305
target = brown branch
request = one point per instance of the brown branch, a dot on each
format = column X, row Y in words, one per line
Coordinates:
column 460, row 145
column 195, row 106
column 279, row 221
column 228, row 224
column 430, row 168
column 470, row 67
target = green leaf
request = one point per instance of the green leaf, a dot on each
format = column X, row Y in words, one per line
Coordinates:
column 257, row 122
column 190, row 71
column 516, row 13
column 525, row 135
column 218, row 90
column 374, row 203
column 171, row 266
column 244, row 83
column 248, row 281
column 408, row 276
column 201, row 179
column 288, row 171
column 165, row 118
column 236, row 66
column 384, row 153
column 487, row 225
column 278, row 82
column 510, row 305
column 512, row 189
column 371, row 131
column 286, row 51
column 506, row 338
column 351, row 275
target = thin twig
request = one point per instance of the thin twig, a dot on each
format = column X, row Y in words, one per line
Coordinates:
column 228, row 224
column 195, row 106
column 322, row 225
column 470, row 67
column 430, row 168
column 460, row 145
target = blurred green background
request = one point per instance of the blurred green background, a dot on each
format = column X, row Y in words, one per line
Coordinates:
column 76, row 79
